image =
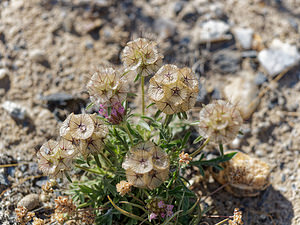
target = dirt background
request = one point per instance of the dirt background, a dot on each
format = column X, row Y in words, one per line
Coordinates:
column 48, row 49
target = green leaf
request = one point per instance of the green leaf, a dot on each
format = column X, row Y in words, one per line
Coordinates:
column 131, row 94
column 136, row 78
column 125, row 212
column 68, row 176
column 144, row 125
column 157, row 114
column 89, row 106
column 179, row 116
column 185, row 139
column 87, row 190
column 151, row 104
column 214, row 162
column 221, row 149
column 184, row 115
column 198, row 139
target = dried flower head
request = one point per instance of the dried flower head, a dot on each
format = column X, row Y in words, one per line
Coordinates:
column 23, row 216
column 106, row 87
column 38, row 221
column 173, row 90
column 81, row 126
column 146, row 165
column 141, row 56
column 64, row 205
column 185, row 158
column 60, row 218
column 237, row 218
column 220, row 121
column 123, row 187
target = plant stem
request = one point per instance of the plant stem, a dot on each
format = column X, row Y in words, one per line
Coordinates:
column 128, row 132
column 143, row 94
column 109, row 163
column 223, row 221
column 200, row 149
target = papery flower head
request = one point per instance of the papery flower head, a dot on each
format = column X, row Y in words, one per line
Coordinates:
column 173, row 90
column 220, row 121
column 106, row 86
column 123, row 187
column 146, row 165
column 141, row 56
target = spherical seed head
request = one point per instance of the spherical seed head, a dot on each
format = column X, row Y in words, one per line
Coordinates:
column 123, row 187
column 141, row 55
column 160, row 159
column 173, row 90
column 140, row 162
column 136, row 179
column 106, row 87
column 81, row 126
column 167, row 74
column 101, row 130
column 46, row 157
column 64, row 128
column 220, row 121
column 155, row 178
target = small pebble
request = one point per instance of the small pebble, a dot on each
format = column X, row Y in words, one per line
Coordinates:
column 244, row 36
column 37, row 55
column 16, row 111
column 30, row 201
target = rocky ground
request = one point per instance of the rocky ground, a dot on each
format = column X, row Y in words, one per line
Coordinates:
column 48, row 49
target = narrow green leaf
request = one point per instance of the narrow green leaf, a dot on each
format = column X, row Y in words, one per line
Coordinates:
column 198, row 139
column 185, row 139
column 68, row 176
column 221, row 149
column 151, row 104
column 179, row 116
column 184, row 115
column 135, row 205
column 157, row 114
column 137, row 78
column 89, row 106
column 125, row 212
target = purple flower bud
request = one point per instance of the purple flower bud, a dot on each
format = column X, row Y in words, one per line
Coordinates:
column 170, row 207
column 161, row 204
column 153, row 216
column 169, row 213
column 163, row 215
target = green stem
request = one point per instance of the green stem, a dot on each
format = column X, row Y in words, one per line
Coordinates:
column 143, row 94
column 128, row 132
column 200, row 149
column 109, row 163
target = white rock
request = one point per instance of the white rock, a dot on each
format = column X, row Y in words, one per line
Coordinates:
column 244, row 36
column 243, row 92
column 214, row 30
column 37, row 55
column 279, row 57
column 30, row 201
column 3, row 73
column 15, row 110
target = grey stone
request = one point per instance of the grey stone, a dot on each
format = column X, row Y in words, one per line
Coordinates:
column 244, row 36
column 30, row 201
column 226, row 61
column 4, row 182
column 16, row 111
column 279, row 57
column 260, row 78
column 165, row 28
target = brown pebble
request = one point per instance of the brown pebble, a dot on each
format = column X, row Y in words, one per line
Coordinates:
column 30, row 201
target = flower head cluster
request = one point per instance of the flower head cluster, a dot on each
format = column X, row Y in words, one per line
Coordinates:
column 141, row 56
column 237, row 218
column 173, row 90
column 38, row 221
column 64, row 205
column 106, row 86
column 80, row 133
column 85, row 132
column 146, row 165
column 220, row 121
column 185, row 158
column 159, row 209
column 123, row 187
column 117, row 113
column 23, row 216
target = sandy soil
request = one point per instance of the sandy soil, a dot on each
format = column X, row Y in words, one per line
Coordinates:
column 48, row 49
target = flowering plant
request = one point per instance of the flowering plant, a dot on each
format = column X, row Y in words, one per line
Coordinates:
column 131, row 166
